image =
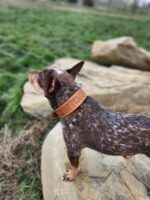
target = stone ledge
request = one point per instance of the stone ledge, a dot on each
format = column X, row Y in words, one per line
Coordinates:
column 117, row 88
column 102, row 177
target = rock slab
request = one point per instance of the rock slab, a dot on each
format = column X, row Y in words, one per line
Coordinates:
column 121, row 51
column 102, row 177
column 33, row 103
column 117, row 88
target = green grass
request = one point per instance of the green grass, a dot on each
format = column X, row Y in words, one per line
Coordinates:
column 33, row 39
column 29, row 188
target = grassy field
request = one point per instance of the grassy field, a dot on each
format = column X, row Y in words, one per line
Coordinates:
column 33, row 39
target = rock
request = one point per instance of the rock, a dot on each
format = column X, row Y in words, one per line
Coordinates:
column 140, row 165
column 34, row 103
column 102, row 177
column 121, row 51
column 133, row 184
column 101, row 163
column 116, row 87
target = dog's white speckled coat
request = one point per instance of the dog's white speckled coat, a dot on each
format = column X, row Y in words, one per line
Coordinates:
column 91, row 125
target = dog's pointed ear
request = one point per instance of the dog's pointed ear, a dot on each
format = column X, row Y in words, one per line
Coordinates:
column 75, row 69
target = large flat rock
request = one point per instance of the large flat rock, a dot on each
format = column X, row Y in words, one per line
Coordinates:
column 121, row 51
column 116, row 87
column 33, row 103
column 102, row 177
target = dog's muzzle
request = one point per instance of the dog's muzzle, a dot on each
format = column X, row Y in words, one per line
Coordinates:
column 33, row 79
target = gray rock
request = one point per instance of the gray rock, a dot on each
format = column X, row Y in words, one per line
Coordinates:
column 33, row 103
column 140, row 165
column 116, row 87
column 121, row 51
column 137, row 188
column 102, row 177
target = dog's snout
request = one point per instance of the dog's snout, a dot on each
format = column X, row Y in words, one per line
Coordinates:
column 33, row 72
column 33, row 76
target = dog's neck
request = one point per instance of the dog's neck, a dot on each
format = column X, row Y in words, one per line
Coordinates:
column 52, row 100
column 63, row 94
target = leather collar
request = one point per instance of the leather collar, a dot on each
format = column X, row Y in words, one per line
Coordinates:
column 71, row 104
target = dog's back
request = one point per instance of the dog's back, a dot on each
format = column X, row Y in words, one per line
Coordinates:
column 109, row 132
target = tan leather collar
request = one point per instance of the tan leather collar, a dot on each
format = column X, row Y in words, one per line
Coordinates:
column 71, row 104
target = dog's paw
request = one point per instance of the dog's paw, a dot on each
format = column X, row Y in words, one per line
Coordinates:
column 70, row 175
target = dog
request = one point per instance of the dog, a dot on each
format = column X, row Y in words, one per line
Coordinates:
column 89, row 124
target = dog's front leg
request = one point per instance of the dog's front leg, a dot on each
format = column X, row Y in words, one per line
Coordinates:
column 71, row 174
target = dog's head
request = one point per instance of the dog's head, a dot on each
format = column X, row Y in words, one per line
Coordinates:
column 51, row 80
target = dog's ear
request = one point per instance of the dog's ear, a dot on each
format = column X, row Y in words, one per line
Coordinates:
column 52, row 86
column 60, row 79
column 75, row 69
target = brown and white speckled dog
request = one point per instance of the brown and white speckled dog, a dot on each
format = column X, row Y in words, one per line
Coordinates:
column 91, row 125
